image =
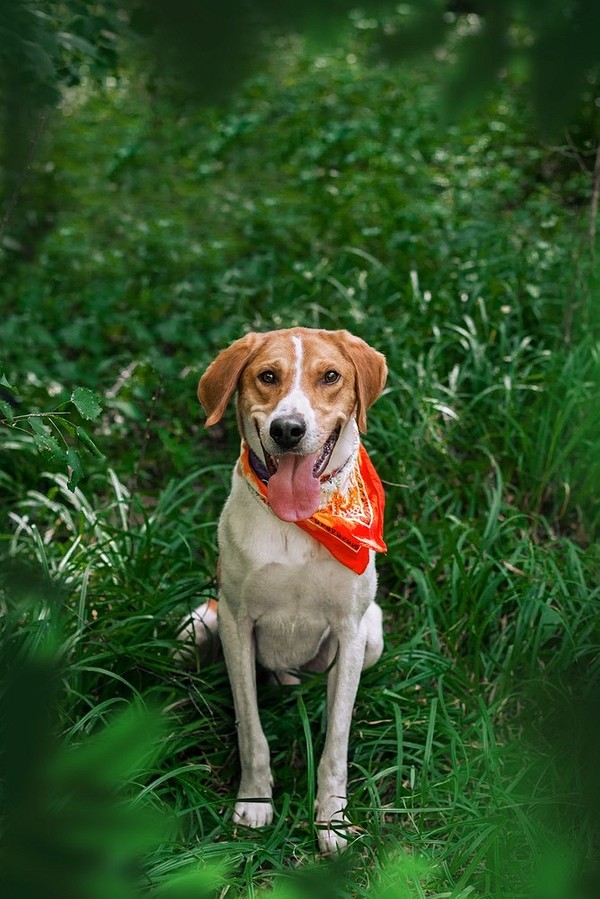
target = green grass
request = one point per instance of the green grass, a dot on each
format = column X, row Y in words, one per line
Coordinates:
column 329, row 192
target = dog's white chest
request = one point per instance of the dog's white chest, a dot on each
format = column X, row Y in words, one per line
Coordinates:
column 289, row 586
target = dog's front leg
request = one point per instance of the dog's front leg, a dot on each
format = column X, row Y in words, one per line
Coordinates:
column 254, row 807
column 332, row 775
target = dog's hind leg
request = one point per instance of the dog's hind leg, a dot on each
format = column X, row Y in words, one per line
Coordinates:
column 199, row 634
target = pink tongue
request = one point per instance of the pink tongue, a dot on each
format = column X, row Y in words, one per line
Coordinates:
column 293, row 492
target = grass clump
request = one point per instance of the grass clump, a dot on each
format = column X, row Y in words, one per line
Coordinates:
column 327, row 193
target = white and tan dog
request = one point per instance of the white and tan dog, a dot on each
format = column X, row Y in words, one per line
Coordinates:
column 297, row 539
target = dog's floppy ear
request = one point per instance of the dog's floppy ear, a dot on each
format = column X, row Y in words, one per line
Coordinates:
column 371, row 373
column 220, row 379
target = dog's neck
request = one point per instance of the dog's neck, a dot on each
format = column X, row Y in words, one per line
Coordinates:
column 345, row 449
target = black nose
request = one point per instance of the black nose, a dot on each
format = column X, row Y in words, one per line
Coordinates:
column 288, row 432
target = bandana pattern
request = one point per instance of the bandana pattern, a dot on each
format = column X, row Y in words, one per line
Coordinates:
column 349, row 522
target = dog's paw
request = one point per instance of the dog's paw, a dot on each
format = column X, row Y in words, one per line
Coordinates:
column 332, row 837
column 333, row 827
column 253, row 813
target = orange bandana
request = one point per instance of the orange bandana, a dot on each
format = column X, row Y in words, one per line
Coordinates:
column 350, row 523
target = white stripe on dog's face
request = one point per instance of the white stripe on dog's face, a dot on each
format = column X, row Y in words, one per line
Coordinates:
column 296, row 402
column 286, row 378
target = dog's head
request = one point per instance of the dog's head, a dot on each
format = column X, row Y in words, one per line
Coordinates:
column 297, row 390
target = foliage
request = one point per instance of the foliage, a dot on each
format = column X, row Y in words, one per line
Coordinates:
column 551, row 45
column 327, row 192
column 48, row 432
column 44, row 47
column 49, row 45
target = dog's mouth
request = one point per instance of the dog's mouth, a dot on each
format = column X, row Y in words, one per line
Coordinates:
column 294, row 489
column 321, row 459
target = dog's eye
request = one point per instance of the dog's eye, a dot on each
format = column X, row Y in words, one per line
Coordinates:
column 331, row 377
column 268, row 377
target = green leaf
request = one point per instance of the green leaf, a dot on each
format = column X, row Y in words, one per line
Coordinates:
column 46, row 443
column 37, row 425
column 5, row 383
column 45, row 440
column 75, row 42
column 69, row 427
column 200, row 883
column 85, row 438
column 75, row 464
column 86, row 402
column 6, row 410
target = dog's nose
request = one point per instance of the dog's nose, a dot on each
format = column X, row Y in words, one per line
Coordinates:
column 288, row 432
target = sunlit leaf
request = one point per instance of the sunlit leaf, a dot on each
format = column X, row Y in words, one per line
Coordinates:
column 86, row 402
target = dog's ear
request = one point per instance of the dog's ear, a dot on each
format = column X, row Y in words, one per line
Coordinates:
column 220, row 379
column 371, row 374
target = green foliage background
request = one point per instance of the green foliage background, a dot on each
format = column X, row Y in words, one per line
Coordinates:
column 147, row 231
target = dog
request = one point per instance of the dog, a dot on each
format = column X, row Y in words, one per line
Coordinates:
column 297, row 541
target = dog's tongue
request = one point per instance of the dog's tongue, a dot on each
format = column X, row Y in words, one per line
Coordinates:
column 293, row 492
